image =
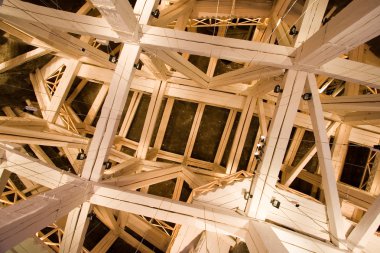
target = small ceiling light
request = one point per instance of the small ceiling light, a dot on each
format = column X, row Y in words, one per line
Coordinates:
column 257, row 155
column 293, row 31
column 112, row 59
column 275, row 203
column 107, row 165
column 138, row 65
column 30, row 109
column 306, row 96
column 156, row 13
column 247, row 195
column 81, row 155
column 91, row 215
column 277, row 89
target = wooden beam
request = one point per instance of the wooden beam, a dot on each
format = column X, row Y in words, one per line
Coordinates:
column 134, row 242
column 182, row 65
column 163, row 124
column 110, row 116
column 261, row 238
column 76, row 91
column 154, row 65
column 145, row 229
column 199, row 44
column 21, row 220
column 106, row 128
column 96, row 105
column 130, row 114
column 262, row 118
column 33, row 169
column 351, row 71
column 213, row 60
column 77, row 221
column 313, row 14
column 292, row 151
column 355, row 196
column 276, row 143
column 57, row 20
column 339, row 149
column 21, row 59
column 225, row 136
column 173, row 12
column 150, row 120
column 38, row 137
column 67, row 79
column 223, row 221
column 292, row 175
column 241, row 135
column 362, row 118
column 341, row 34
column 4, row 176
column 70, row 46
column 244, row 75
column 136, row 181
column 105, row 243
column 193, row 132
column 367, row 226
column 325, row 163
column 120, row 17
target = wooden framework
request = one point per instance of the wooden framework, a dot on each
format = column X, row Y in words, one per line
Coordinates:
column 307, row 63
